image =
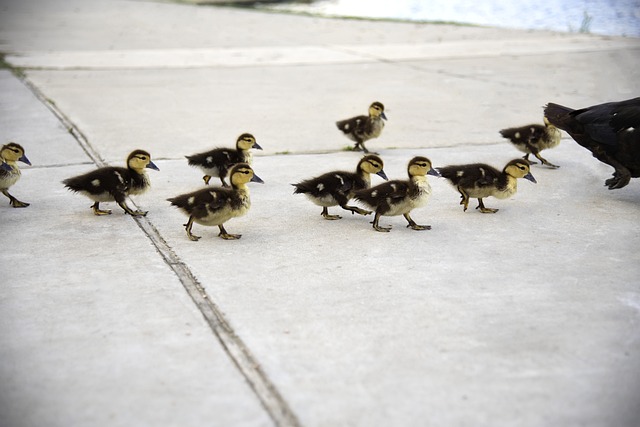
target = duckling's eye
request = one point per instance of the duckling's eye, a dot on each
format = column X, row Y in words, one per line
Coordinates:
column 15, row 150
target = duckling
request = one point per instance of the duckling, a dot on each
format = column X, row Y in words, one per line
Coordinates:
column 610, row 131
column 363, row 128
column 10, row 172
column 217, row 205
column 400, row 197
column 109, row 183
column 337, row 187
column 532, row 139
column 479, row 180
column 218, row 161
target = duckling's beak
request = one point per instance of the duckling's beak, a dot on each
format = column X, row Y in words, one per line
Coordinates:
column 257, row 179
column 152, row 165
column 384, row 116
column 530, row 178
column 382, row 175
column 433, row 172
column 256, row 146
column 24, row 159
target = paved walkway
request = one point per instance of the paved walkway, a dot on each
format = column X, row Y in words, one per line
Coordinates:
column 528, row 317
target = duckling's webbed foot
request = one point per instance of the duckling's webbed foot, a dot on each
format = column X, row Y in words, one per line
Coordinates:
column 545, row 162
column 356, row 210
column 376, row 225
column 484, row 209
column 412, row 224
column 325, row 215
column 187, row 227
column 227, row 236
column 464, row 198
column 526, row 157
column 98, row 211
column 15, row 202
column 128, row 210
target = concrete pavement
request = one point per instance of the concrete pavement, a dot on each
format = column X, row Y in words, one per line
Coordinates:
column 528, row 317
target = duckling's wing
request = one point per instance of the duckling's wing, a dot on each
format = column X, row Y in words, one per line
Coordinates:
column 472, row 175
column 215, row 157
column 389, row 192
column 113, row 180
column 355, row 125
column 200, row 203
column 327, row 184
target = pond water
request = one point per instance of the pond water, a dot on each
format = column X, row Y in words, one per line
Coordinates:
column 607, row 17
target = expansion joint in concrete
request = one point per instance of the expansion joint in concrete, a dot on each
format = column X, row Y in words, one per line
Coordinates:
column 241, row 356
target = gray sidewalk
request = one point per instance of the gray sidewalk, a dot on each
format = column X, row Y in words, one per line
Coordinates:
column 528, row 317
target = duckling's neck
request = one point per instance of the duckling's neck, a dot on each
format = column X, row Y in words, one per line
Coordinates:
column 242, row 188
column 365, row 176
column 510, row 188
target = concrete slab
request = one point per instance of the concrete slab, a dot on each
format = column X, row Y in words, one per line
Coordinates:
column 527, row 317
column 441, row 325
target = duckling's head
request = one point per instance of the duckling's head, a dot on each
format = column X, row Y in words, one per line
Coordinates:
column 241, row 173
column 377, row 110
column 519, row 168
column 140, row 159
column 247, row 141
column 421, row 166
column 13, row 152
column 373, row 164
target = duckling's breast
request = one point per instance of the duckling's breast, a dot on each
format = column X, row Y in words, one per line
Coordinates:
column 553, row 138
column 414, row 199
column 139, row 183
column 326, row 200
column 8, row 178
column 234, row 207
column 497, row 191
column 376, row 127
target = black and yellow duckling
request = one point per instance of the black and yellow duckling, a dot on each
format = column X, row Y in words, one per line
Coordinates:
column 10, row 154
column 479, row 180
column 216, row 205
column 400, row 197
column 532, row 139
column 217, row 162
column 363, row 128
column 111, row 183
column 338, row 187
column 611, row 131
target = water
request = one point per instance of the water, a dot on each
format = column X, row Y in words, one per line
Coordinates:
column 606, row 17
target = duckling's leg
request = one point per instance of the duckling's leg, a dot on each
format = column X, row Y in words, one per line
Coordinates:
column 464, row 198
column 188, row 227
column 483, row 209
column 325, row 214
column 13, row 201
column 128, row 210
column 526, row 157
column 413, row 225
column 377, row 227
column 544, row 161
column 224, row 183
column 206, row 179
column 98, row 211
column 355, row 210
column 227, row 236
